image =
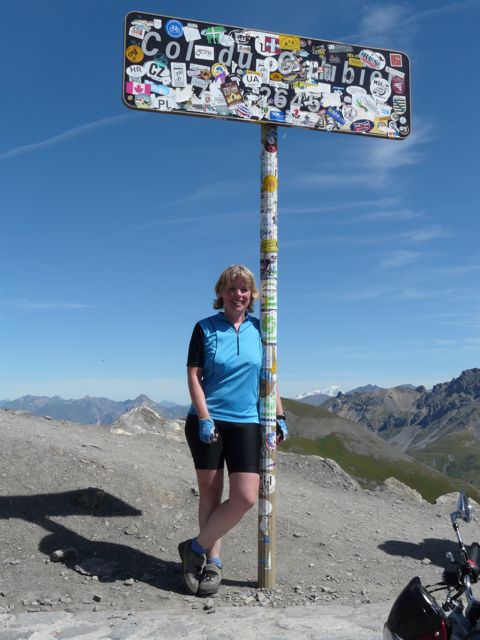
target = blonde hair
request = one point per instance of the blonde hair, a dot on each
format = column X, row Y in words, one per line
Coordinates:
column 228, row 276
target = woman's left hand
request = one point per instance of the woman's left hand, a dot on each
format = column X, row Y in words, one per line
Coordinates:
column 282, row 429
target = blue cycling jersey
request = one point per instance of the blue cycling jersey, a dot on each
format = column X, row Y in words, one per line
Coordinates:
column 231, row 362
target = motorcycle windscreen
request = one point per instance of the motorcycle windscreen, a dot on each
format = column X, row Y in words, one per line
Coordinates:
column 415, row 614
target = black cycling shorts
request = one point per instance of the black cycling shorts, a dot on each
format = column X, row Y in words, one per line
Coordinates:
column 238, row 445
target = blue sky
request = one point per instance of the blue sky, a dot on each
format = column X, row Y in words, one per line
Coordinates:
column 116, row 224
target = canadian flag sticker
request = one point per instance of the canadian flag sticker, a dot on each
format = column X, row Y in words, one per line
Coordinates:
column 136, row 87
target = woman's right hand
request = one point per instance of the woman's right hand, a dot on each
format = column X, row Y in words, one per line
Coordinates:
column 206, row 431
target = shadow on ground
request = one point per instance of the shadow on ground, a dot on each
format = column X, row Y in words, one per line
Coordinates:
column 433, row 549
column 106, row 560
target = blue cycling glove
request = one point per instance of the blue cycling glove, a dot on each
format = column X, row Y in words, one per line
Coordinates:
column 206, row 431
column 282, row 429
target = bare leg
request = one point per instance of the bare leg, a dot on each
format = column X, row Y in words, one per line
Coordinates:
column 210, row 487
column 242, row 497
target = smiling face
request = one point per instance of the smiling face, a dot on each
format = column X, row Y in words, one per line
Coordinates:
column 236, row 298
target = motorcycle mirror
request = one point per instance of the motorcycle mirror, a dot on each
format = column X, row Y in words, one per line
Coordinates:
column 463, row 506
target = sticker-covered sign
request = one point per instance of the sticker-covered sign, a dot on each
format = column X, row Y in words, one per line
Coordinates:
column 174, row 65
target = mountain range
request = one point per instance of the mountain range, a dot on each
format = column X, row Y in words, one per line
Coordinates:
column 91, row 410
column 440, row 427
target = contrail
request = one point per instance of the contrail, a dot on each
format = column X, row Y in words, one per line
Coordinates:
column 63, row 137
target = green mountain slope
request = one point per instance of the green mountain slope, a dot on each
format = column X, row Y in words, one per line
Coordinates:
column 362, row 454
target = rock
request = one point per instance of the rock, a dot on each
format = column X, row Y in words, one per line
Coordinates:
column 62, row 555
column 95, row 567
column 208, row 605
column 395, row 486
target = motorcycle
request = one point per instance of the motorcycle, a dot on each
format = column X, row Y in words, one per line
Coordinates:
column 416, row 614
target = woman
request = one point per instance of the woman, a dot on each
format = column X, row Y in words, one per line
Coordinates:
column 224, row 363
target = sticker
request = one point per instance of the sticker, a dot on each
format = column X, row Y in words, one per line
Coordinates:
column 143, row 101
column 231, row 93
column 380, row 89
column 395, row 72
column 135, row 71
column 160, row 89
column 252, row 79
column 270, row 184
column 291, row 43
column 381, row 126
column 396, row 60
column 372, row 59
column 196, row 70
column 163, row 103
column 330, row 100
column 213, row 34
column 276, row 76
column 174, row 28
column 269, row 324
column 218, row 69
column 354, row 61
column 243, row 110
column 137, row 31
column 287, row 63
column 191, row 33
column 336, row 47
column 398, row 86
column 269, row 246
column 267, row 45
column 136, row 88
column 271, row 440
column 271, row 64
column 399, row 104
column 264, row 507
column 226, row 41
column 356, row 91
column 134, row 53
column 155, row 69
column 267, row 483
column 204, row 53
column 349, row 113
column 270, row 144
column 179, row 74
column 336, row 115
column 362, row 126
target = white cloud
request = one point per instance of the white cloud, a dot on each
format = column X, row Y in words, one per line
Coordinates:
column 380, row 22
column 372, row 164
column 64, row 137
column 385, row 215
column 24, row 304
column 400, row 258
column 396, row 23
column 340, row 206
column 426, row 234
column 457, row 319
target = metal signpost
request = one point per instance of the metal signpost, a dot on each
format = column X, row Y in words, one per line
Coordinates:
column 188, row 67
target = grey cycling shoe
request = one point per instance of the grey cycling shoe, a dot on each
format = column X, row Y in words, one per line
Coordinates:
column 193, row 564
column 209, row 580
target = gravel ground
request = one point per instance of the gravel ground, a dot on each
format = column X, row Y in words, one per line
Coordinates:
column 115, row 507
